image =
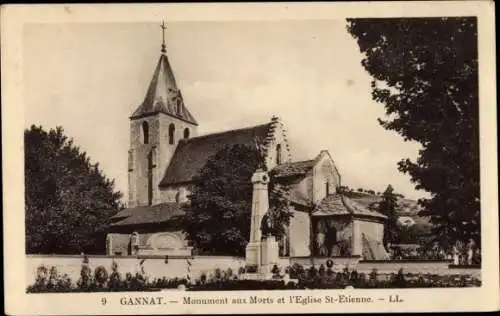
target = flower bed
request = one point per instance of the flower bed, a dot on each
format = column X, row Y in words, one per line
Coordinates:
column 342, row 281
column 49, row 280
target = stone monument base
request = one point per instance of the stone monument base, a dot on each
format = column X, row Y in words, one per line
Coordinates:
column 269, row 257
column 253, row 253
column 261, row 257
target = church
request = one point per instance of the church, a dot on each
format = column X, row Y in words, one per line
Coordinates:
column 166, row 152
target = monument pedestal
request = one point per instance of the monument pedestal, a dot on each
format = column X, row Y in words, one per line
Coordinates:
column 261, row 258
column 253, row 253
column 269, row 257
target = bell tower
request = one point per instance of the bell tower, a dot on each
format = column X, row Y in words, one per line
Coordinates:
column 156, row 127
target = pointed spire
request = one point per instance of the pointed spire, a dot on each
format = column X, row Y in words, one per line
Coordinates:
column 163, row 95
column 163, row 46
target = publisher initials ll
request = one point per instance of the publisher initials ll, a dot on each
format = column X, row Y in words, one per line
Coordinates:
column 395, row 299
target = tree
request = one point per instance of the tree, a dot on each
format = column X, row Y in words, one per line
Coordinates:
column 387, row 206
column 418, row 233
column 217, row 218
column 279, row 206
column 344, row 189
column 68, row 199
column 425, row 72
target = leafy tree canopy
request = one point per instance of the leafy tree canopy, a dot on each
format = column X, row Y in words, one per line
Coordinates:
column 387, row 206
column 425, row 72
column 68, row 199
column 217, row 218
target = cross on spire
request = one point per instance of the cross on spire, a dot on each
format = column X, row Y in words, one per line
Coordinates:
column 163, row 46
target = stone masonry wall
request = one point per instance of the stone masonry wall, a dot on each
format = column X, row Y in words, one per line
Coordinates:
column 299, row 234
column 373, row 230
column 169, row 194
column 162, row 152
column 120, row 242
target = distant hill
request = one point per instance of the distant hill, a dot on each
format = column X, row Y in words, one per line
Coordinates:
column 406, row 207
column 418, row 228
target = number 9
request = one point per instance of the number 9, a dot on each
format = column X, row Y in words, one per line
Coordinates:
column 103, row 301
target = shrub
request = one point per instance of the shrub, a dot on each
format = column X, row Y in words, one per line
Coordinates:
column 41, row 276
column 399, row 279
column 329, row 272
column 85, row 277
column 138, row 282
column 100, row 276
column 115, row 281
column 353, row 276
column 329, row 263
column 241, row 270
column 312, row 272
column 296, row 271
column 217, row 274
column 165, row 283
column 360, row 281
column 275, row 271
column 203, row 278
column 49, row 280
column 321, row 270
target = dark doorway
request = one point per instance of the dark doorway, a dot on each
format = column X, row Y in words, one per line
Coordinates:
column 331, row 240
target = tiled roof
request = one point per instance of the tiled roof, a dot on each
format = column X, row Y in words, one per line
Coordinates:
column 337, row 204
column 163, row 96
column 147, row 214
column 297, row 168
column 124, row 213
column 192, row 154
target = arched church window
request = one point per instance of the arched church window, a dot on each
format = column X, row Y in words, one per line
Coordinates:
column 327, row 187
column 130, row 160
column 179, row 106
column 153, row 156
column 186, row 133
column 145, row 132
column 278, row 154
column 171, row 134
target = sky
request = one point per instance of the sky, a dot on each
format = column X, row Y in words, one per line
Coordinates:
column 89, row 78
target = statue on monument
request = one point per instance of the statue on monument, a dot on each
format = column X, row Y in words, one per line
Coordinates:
column 268, row 226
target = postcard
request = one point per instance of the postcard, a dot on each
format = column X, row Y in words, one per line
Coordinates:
column 249, row 157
